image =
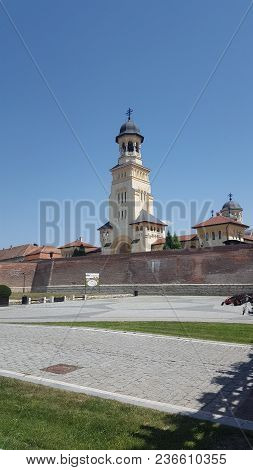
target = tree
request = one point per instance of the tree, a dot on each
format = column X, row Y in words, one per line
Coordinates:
column 168, row 241
column 79, row 251
column 176, row 242
column 172, row 242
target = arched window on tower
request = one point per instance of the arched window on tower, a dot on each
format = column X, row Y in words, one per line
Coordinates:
column 123, row 147
column 130, row 146
column 137, row 147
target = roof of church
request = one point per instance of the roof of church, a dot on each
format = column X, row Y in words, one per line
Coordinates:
column 144, row 216
column 129, row 127
column 107, row 225
column 231, row 205
column 219, row 220
column 133, row 163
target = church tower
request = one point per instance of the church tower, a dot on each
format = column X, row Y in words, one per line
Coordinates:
column 131, row 226
column 232, row 209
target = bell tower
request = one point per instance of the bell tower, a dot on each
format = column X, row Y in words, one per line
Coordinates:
column 130, row 196
column 129, row 141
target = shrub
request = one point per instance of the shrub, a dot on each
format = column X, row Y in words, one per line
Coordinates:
column 5, row 291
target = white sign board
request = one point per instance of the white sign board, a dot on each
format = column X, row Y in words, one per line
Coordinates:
column 91, row 279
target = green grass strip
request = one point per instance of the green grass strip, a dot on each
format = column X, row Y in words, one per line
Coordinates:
column 227, row 332
column 37, row 417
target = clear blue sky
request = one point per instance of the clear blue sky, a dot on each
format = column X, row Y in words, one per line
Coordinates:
column 100, row 57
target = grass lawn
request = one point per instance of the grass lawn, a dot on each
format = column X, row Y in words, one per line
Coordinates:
column 37, row 417
column 229, row 332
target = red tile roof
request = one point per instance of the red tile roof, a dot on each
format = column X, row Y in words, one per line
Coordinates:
column 186, row 238
column 159, row 241
column 248, row 237
column 77, row 244
column 45, row 249
column 219, row 220
column 17, row 252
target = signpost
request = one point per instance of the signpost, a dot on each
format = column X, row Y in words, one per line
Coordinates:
column 91, row 280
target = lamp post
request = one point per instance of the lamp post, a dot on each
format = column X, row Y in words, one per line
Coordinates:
column 24, row 283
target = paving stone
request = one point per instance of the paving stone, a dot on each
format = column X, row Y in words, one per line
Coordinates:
column 202, row 375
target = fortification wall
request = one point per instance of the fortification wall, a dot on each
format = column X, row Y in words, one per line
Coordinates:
column 208, row 267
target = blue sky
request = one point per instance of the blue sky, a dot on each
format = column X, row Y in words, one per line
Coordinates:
column 98, row 58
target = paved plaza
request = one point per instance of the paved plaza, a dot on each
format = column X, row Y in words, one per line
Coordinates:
column 199, row 378
column 143, row 308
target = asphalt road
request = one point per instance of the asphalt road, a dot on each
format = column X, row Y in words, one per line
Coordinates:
column 142, row 308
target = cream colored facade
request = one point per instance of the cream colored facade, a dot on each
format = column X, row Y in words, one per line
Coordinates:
column 226, row 227
column 130, row 199
column 216, row 235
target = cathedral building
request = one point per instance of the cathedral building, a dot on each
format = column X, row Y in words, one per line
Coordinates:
column 226, row 228
column 132, row 227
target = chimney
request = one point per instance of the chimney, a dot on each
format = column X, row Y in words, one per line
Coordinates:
column 81, row 239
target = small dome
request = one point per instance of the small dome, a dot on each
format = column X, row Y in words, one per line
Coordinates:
column 129, row 127
column 231, row 205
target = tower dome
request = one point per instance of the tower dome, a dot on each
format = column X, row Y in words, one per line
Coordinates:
column 232, row 209
column 129, row 128
column 231, row 205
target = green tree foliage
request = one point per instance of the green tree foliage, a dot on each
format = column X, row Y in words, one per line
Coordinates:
column 176, row 242
column 5, row 291
column 171, row 242
column 79, row 251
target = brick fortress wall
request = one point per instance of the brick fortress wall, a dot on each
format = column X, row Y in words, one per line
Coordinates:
column 210, row 268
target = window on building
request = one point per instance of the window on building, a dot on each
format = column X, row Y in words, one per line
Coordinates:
column 121, row 197
column 213, row 235
column 207, row 236
column 118, row 197
column 125, row 196
column 219, row 235
column 130, row 146
column 122, row 214
column 125, row 214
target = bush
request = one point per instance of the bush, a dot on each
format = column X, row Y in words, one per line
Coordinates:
column 5, row 291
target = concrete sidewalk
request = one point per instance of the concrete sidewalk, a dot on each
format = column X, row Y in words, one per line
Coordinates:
column 151, row 308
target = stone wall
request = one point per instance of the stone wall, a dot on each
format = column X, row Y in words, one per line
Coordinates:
column 178, row 271
column 15, row 275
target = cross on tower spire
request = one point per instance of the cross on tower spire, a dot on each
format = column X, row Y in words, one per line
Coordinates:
column 128, row 113
column 230, row 196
